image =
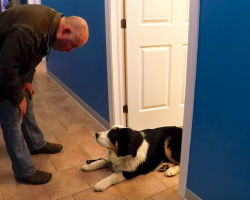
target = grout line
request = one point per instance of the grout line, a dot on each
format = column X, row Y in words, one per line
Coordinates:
column 45, row 191
column 62, row 124
column 159, row 179
column 10, row 186
column 52, row 164
column 173, row 186
column 158, row 193
column 162, row 192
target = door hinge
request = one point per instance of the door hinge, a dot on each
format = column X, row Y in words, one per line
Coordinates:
column 125, row 109
column 123, row 23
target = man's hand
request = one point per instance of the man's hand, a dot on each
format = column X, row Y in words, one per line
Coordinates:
column 29, row 88
column 22, row 107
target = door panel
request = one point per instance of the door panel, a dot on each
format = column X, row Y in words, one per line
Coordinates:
column 156, row 49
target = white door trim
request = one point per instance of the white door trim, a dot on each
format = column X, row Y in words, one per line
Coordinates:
column 193, row 35
column 34, row 1
column 115, row 61
column 114, row 12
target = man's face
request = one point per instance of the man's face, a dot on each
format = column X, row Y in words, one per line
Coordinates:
column 66, row 42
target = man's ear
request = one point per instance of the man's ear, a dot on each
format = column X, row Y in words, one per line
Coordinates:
column 66, row 31
column 135, row 141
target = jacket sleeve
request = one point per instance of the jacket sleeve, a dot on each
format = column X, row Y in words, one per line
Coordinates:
column 19, row 45
column 29, row 77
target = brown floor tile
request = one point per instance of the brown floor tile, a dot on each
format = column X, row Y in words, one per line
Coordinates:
column 45, row 96
column 72, row 137
column 69, row 157
column 51, row 138
column 1, row 198
column 168, row 181
column 37, row 82
column 53, row 126
column 65, row 183
column 35, row 90
column 41, row 68
column 47, row 81
column 74, row 109
column 4, row 156
column 57, row 102
column 6, row 176
column 93, row 177
column 92, row 123
column 149, row 199
column 43, row 163
column 94, row 150
column 40, row 75
column 75, row 121
column 141, row 187
column 170, row 194
column 38, row 116
column 60, row 94
column 67, row 198
column 93, row 128
column 25, row 192
column 42, row 65
column 54, row 113
column 110, row 194
column 48, row 87
column 40, row 105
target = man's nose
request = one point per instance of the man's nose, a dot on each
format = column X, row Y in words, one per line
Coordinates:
column 69, row 50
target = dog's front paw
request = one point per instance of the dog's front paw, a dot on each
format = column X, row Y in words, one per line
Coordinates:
column 169, row 173
column 165, row 166
column 86, row 168
column 101, row 186
column 172, row 171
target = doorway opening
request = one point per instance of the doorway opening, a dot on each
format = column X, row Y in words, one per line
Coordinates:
column 141, row 57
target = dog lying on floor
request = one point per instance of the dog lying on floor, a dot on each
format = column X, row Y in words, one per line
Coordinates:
column 132, row 153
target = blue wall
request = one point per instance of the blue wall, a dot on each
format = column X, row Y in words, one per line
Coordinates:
column 84, row 70
column 23, row 2
column 219, row 166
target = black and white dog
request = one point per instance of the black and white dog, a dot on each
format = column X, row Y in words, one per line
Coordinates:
column 132, row 153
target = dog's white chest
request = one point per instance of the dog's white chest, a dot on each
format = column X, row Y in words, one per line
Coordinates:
column 128, row 163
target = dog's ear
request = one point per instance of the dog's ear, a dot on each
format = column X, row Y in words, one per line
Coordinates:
column 136, row 139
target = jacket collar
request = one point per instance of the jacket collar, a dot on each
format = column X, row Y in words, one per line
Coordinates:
column 52, row 31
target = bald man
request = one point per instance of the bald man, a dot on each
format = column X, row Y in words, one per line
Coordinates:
column 27, row 33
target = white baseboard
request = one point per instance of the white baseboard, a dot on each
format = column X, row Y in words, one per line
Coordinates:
column 80, row 102
column 191, row 196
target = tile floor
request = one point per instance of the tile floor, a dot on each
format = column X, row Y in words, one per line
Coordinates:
column 63, row 121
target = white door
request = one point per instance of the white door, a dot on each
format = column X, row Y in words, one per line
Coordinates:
column 156, row 56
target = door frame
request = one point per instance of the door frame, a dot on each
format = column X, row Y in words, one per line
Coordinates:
column 116, row 82
column 34, row 2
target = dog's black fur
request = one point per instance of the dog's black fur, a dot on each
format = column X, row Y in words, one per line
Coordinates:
column 130, row 140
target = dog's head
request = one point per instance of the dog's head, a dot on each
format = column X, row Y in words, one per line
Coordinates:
column 124, row 141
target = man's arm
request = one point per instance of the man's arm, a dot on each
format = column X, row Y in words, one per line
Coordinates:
column 20, row 44
column 29, row 77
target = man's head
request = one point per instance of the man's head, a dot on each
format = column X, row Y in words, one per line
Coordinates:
column 72, row 33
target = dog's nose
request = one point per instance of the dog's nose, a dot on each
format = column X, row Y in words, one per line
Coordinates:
column 97, row 135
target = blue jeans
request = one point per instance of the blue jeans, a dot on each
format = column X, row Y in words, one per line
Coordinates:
column 21, row 136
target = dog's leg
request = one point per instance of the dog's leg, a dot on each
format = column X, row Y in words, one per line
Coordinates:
column 173, row 171
column 165, row 166
column 95, row 165
column 110, row 180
